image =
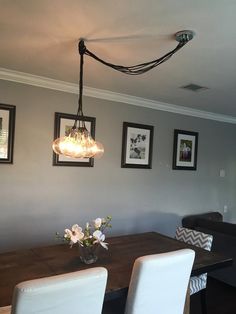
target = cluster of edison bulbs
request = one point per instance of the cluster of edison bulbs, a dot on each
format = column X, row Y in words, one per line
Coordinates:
column 78, row 144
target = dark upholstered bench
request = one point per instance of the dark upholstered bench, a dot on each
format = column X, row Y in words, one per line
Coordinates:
column 224, row 240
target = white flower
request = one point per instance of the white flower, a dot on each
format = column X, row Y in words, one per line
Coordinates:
column 91, row 235
column 75, row 234
column 99, row 238
column 97, row 223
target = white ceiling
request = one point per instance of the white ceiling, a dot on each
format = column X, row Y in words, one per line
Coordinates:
column 40, row 38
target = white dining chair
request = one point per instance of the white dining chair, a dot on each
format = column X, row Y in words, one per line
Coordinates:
column 80, row 292
column 204, row 241
column 159, row 283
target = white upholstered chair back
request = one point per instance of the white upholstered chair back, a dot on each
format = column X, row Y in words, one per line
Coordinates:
column 201, row 240
column 80, row 292
column 159, row 283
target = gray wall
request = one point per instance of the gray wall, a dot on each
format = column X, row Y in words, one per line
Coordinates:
column 38, row 199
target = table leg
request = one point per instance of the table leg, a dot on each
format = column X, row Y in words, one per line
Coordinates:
column 187, row 302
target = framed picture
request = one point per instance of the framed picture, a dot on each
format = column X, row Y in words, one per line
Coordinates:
column 62, row 126
column 137, row 145
column 185, row 150
column 7, row 132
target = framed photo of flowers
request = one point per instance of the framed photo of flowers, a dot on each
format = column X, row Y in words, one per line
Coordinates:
column 7, row 131
column 185, row 150
column 62, row 125
column 137, row 145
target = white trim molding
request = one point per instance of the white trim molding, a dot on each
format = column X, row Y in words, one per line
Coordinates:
column 44, row 82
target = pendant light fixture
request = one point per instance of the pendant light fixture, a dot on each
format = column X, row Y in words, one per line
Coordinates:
column 79, row 143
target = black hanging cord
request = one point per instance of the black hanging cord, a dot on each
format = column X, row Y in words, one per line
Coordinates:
column 80, row 109
column 138, row 68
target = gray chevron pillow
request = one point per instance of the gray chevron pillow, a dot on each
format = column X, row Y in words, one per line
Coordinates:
column 201, row 240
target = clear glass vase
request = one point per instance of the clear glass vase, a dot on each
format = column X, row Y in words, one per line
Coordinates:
column 88, row 254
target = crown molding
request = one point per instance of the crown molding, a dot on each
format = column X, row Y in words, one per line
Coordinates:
column 44, row 82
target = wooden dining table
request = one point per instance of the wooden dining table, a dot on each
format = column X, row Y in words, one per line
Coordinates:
column 27, row 264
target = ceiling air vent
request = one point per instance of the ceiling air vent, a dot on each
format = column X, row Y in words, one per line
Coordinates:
column 194, row 87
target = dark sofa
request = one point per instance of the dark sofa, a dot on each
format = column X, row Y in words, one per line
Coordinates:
column 224, row 240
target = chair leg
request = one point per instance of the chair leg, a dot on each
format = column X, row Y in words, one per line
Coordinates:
column 203, row 301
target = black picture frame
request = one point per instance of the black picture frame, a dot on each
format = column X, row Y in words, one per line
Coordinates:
column 185, row 150
column 137, row 145
column 62, row 123
column 7, row 133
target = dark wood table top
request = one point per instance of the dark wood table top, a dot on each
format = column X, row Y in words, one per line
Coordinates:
column 21, row 265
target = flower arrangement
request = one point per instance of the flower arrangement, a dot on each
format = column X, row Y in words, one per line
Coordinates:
column 91, row 235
